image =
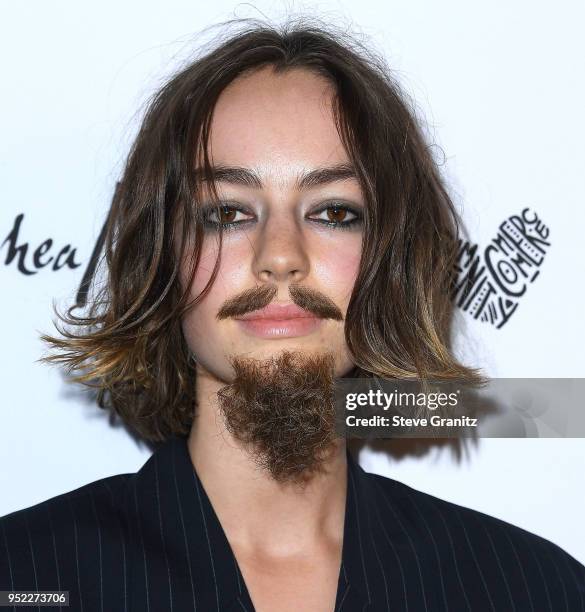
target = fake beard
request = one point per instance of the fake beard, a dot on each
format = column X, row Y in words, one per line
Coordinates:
column 282, row 410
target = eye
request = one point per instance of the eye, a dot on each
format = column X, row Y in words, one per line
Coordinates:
column 227, row 216
column 336, row 216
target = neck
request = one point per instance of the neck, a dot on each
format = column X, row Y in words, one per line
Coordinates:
column 259, row 515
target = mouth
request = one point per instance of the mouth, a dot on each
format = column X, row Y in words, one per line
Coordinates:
column 291, row 327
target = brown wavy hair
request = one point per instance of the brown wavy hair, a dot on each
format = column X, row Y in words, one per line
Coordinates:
column 130, row 345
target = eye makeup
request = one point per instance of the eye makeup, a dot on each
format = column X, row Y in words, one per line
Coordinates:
column 230, row 209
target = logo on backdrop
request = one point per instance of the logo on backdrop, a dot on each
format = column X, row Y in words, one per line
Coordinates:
column 29, row 261
column 490, row 282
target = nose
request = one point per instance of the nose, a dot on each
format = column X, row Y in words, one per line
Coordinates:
column 280, row 253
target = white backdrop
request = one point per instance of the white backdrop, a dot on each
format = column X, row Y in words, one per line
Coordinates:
column 501, row 86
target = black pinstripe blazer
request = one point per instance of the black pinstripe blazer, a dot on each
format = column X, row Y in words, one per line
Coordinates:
column 151, row 541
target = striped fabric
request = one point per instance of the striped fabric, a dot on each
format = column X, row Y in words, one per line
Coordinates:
column 151, row 541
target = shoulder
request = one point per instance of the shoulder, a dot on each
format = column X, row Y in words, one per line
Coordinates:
column 485, row 543
column 41, row 541
column 94, row 499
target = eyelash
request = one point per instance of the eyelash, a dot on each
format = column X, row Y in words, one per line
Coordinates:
column 232, row 225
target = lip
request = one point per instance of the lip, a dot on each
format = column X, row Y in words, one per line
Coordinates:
column 279, row 321
column 277, row 312
column 291, row 327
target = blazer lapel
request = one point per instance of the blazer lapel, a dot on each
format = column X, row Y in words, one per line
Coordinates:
column 361, row 583
column 180, row 551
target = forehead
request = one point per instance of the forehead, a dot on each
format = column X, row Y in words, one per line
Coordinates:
column 279, row 124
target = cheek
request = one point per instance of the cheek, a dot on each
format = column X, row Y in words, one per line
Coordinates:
column 230, row 274
column 204, row 269
column 349, row 267
column 338, row 269
column 203, row 274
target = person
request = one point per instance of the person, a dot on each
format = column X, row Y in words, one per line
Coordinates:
column 280, row 224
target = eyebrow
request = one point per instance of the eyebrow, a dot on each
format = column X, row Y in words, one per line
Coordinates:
column 238, row 175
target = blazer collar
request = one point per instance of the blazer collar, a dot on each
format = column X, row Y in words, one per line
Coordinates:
column 174, row 517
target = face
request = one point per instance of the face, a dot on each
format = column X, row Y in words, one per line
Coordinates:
column 281, row 233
